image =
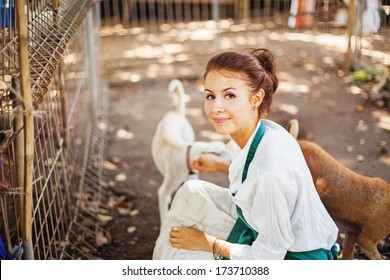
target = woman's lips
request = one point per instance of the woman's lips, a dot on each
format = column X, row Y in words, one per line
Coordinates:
column 220, row 120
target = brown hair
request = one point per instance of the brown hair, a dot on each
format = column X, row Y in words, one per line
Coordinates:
column 257, row 69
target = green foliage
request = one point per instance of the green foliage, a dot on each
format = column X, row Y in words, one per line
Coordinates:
column 366, row 75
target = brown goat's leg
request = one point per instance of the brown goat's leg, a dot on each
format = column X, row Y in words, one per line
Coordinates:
column 369, row 248
column 349, row 245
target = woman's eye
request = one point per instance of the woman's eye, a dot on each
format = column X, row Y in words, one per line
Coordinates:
column 210, row 97
column 230, row 96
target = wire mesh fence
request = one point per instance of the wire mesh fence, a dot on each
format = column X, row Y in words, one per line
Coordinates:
column 309, row 13
column 68, row 108
column 369, row 19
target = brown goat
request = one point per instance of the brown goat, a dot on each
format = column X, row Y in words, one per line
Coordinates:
column 358, row 203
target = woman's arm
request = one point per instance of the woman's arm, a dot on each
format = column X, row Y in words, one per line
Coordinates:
column 210, row 163
column 193, row 239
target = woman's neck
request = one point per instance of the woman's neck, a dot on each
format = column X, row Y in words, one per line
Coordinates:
column 242, row 136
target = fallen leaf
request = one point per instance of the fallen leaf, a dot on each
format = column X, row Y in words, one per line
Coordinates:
column 119, row 202
column 355, row 90
column 131, row 229
column 104, row 218
column 116, row 160
column 102, row 210
column 123, row 211
column 384, row 122
column 124, row 134
column 134, row 212
column 100, row 239
column 362, row 126
column 120, row 177
column 359, row 158
column 109, row 166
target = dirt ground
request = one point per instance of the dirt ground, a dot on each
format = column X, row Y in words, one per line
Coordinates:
column 138, row 69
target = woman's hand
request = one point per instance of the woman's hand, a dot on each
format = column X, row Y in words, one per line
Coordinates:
column 210, row 163
column 191, row 238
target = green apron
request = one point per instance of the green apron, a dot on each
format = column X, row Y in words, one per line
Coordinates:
column 243, row 233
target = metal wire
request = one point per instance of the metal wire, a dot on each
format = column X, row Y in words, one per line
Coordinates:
column 68, row 144
column 129, row 17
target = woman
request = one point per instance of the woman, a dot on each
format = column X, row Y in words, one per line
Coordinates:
column 279, row 213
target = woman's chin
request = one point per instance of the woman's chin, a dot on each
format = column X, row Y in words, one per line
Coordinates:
column 221, row 130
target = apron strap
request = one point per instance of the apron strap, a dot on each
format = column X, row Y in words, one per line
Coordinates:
column 241, row 232
column 252, row 150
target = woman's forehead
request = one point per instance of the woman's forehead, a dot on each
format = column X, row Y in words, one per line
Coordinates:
column 225, row 75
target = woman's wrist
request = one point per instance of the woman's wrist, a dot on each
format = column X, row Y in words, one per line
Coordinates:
column 223, row 166
column 220, row 248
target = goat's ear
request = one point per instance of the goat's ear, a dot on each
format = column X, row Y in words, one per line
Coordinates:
column 293, row 128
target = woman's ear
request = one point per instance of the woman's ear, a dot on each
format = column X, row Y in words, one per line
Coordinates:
column 258, row 97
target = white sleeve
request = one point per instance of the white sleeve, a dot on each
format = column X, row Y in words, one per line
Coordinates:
column 274, row 198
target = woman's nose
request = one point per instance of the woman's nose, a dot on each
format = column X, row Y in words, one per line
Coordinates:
column 218, row 106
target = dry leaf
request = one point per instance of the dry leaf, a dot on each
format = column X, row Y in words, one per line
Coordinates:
column 359, row 158
column 100, row 239
column 124, row 134
column 131, row 229
column 116, row 160
column 121, row 177
column 384, row 122
column 119, row 202
column 109, row 166
column 134, row 212
column 103, row 218
column 362, row 126
column 123, row 211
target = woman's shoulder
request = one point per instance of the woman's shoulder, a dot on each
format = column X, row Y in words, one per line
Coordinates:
column 278, row 137
column 274, row 126
column 278, row 148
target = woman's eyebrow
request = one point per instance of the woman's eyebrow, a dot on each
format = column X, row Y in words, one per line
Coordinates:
column 226, row 89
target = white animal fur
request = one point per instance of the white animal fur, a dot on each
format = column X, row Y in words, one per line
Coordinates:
column 169, row 149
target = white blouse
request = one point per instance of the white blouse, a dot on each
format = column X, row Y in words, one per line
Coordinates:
column 278, row 198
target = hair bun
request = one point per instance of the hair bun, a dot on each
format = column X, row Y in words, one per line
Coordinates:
column 266, row 59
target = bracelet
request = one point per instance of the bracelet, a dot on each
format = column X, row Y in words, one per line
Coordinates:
column 215, row 255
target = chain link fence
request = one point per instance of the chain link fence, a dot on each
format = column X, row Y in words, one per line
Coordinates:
column 46, row 216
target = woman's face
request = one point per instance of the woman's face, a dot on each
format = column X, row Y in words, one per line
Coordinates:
column 228, row 105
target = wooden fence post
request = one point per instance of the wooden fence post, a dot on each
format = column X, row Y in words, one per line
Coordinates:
column 244, row 9
column 350, row 27
column 28, row 129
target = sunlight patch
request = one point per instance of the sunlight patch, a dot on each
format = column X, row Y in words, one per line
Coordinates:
column 289, row 108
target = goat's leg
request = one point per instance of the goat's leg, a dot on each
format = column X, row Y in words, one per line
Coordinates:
column 164, row 198
column 349, row 245
column 369, row 247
